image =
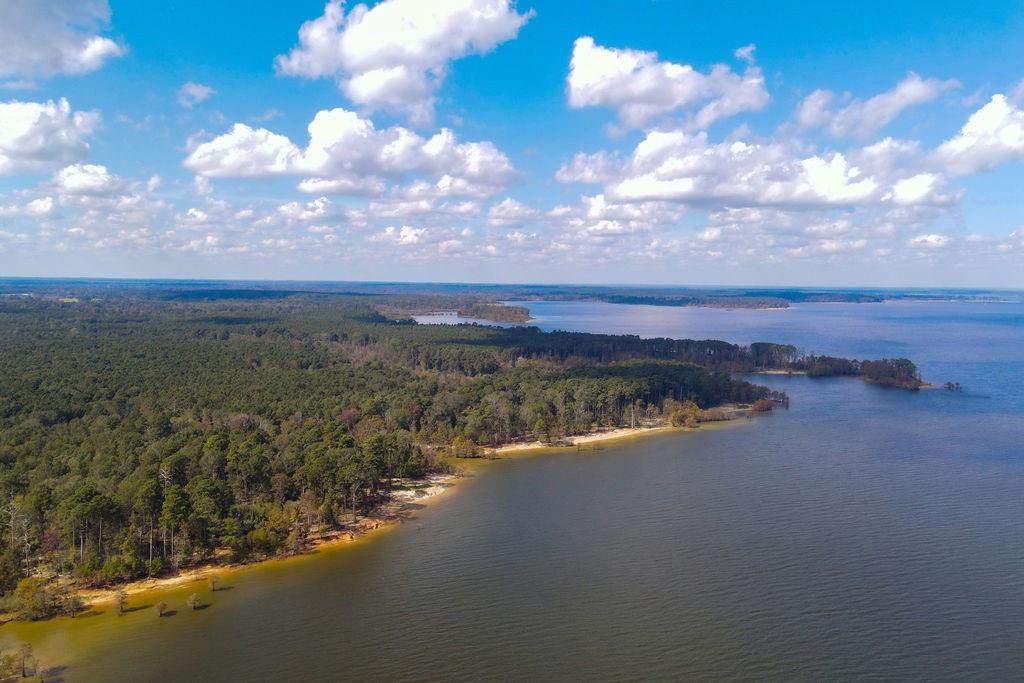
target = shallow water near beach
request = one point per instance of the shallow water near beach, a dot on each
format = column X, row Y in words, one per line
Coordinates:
column 863, row 533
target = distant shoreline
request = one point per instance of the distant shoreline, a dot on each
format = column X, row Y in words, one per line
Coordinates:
column 463, row 317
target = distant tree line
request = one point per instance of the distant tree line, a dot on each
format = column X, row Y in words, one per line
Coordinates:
column 502, row 313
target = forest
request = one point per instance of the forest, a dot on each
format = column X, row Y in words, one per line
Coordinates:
column 141, row 433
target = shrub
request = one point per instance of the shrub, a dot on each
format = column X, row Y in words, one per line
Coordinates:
column 37, row 598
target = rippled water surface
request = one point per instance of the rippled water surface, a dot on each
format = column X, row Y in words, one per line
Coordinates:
column 865, row 533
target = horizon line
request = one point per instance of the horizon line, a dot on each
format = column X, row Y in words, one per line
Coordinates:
column 466, row 283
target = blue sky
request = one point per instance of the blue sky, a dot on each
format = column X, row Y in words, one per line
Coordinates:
column 485, row 140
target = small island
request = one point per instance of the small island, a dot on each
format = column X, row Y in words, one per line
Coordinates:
column 496, row 312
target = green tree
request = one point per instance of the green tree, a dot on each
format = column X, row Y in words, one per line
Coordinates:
column 173, row 515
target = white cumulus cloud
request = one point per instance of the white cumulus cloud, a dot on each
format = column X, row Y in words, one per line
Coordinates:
column 510, row 212
column 85, row 179
column 588, row 168
column 318, row 209
column 36, row 208
column 191, row 94
column 642, row 89
column 930, row 241
column 347, row 154
column 746, row 53
column 244, row 152
column 864, row 118
column 40, row 135
column 688, row 168
column 676, row 166
column 406, row 235
column 49, row 37
column 394, row 56
column 992, row 135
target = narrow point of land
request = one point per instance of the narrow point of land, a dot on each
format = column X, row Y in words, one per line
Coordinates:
column 727, row 414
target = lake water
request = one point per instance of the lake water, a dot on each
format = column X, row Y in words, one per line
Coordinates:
column 865, row 533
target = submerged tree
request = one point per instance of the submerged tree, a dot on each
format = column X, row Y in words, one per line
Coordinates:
column 26, row 658
column 71, row 602
column 9, row 665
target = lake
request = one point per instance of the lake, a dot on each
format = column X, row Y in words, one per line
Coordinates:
column 864, row 533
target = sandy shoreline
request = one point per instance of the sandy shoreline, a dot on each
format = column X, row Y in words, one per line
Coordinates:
column 730, row 411
column 400, row 506
column 581, row 439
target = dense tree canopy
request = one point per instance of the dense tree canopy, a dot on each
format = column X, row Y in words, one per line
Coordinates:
column 137, row 433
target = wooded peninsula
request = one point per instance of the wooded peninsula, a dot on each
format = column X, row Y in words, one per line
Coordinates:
column 141, row 432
